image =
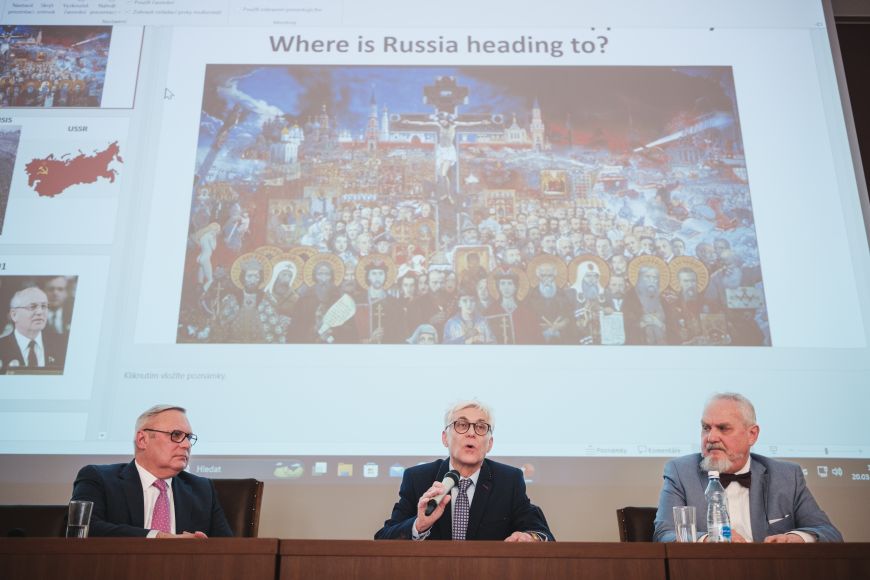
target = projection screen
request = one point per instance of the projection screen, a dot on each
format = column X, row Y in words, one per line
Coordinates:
column 315, row 224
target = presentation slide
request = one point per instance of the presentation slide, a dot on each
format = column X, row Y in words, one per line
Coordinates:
column 318, row 224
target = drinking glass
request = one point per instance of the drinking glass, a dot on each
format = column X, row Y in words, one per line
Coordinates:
column 79, row 519
column 684, row 523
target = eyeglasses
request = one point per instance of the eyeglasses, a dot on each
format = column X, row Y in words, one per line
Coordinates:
column 34, row 306
column 177, row 436
column 462, row 426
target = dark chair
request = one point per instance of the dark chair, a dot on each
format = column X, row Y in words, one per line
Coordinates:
column 33, row 521
column 636, row 524
column 241, row 499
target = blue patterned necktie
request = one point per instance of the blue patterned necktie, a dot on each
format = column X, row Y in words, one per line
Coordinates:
column 460, row 510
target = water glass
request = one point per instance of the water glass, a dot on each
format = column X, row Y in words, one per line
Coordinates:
column 684, row 523
column 79, row 519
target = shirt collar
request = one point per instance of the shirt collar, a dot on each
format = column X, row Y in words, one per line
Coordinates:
column 24, row 342
column 147, row 478
column 745, row 468
column 473, row 477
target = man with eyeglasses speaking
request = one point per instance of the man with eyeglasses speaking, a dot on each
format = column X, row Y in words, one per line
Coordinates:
column 483, row 499
column 152, row 496
column 27, row 349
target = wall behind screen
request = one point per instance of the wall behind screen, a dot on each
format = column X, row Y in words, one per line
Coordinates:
column 853, row 33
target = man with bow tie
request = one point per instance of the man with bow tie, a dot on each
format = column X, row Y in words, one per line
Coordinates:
column 768, row 500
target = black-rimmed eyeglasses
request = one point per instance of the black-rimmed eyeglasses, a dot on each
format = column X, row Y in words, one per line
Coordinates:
column 462, row 426
column 178, row 436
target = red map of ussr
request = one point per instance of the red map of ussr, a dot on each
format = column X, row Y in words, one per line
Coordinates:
column 51, row 176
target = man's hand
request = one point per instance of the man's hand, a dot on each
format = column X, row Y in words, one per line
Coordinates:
column 425, row 522
column 521, row 537
column 166, row 535
column 784, row 539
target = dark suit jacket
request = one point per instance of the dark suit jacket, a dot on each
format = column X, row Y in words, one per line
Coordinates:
column 779, row 500
column 66, row 320
column 55, row 352
column 499, row 507
column 119, row 507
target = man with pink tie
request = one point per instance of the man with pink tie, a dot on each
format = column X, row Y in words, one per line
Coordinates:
column 152, row 496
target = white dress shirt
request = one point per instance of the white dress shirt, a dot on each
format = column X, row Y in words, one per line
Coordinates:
column 738, row 505
column 150, row 495
column 24, row 347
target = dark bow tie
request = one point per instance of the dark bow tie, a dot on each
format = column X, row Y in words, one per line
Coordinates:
column 744, row 479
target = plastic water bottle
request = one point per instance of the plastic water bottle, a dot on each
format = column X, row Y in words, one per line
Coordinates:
column 718, row 522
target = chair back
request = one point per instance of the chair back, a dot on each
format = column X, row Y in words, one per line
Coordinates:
column 240, row 500
column 636, row 524
column 33, row 521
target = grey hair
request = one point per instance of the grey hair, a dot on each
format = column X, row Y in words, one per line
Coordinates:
column 153, row 412
column 469, row 404
column 747, row 410
column 16, row 298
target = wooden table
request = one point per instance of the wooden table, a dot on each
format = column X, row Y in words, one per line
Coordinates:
column 375, row 560
column 256, row 559
column 138, row 558
column 768, row 561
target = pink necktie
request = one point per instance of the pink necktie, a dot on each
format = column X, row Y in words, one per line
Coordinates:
column 160, row 515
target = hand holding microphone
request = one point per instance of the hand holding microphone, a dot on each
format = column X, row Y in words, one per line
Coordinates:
column 430, row 506
column 451, row 479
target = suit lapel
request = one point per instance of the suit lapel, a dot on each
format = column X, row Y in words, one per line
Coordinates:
column 443, row 528
column 482, row 491
column 758, row 500
column 704, row 480
column 132, row 486
column 52, row 351
column 14, row 351
column 182, row 499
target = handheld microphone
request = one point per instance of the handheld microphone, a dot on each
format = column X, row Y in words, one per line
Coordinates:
column 451, row 478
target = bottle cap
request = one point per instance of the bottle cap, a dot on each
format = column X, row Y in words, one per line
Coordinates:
column 711, row 474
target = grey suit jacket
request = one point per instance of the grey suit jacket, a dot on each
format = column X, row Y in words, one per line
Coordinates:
column 779, row 500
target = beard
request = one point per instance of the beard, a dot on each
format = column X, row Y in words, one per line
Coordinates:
column 547, row 290
column 590, row 291
column 720, row 465
column 723, row 465
column 280, row 290
column 650, row 290
column 650, row 302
